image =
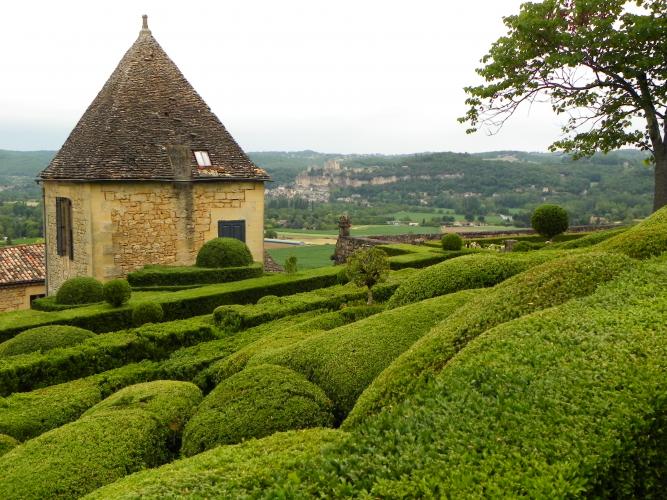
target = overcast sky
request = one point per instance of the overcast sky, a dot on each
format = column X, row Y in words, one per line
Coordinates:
column 347, row 76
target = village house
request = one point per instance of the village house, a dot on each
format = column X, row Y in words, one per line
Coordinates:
column 147, row 176
column 21, row 276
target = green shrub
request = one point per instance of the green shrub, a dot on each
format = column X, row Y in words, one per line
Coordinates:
column 642, row 241
column 81, row 290
column 117, row 292
column 147, row 312
column 341, row 276
column 269, row 299
column 290, row 265
column 366, row 268
column 224, row 252
column 49, row 304
column 134, row 432
column 549, row 220
column 345, row 360
column 252, row 463
column 102, row 352
column 451, row 241
column 256, row 403
column 473, row 271
column 24, row 415
column 543, row 286
column 43, row 339
column 183, row 276
column 7, row 443
column 590, row 239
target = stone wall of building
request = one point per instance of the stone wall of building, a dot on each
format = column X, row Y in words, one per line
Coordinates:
column 14, row 298
column 120, row 227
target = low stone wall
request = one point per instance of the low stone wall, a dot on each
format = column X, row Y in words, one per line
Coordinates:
column 347, row 245
column 17, row 297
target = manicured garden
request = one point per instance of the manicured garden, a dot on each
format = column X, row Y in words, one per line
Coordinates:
column 413, row 371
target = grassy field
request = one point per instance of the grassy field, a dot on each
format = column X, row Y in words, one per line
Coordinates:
column 23, row 241
column 307, row 256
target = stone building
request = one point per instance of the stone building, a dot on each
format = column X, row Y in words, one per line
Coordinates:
column 21, row 276
column 148, row 175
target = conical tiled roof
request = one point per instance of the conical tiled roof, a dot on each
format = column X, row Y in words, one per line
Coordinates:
column 144, row 110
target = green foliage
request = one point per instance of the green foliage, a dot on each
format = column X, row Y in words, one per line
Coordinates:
column 527, row 246
column 43, row 339
column 7, row 443
column 252, row 463
column 102, row 352
column 543, row 286
column 81, row 290
column 451, row 241
column 50, row 304
column 642, row 241
column 151, row 276
column 134, row 431
column 290, row 265
column 343, row 361
column 25, row 415
column 549, row 220
column 473, row 271
column 256, row 403
column 147, row 312
column 590, row 239
column 116, row 292
column 368, row 267
column 224, row 252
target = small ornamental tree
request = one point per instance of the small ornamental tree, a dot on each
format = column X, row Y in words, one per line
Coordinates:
column 367, row 267
column 290, row 265
column 117, row 292
column 451, row 241
column 549, row 220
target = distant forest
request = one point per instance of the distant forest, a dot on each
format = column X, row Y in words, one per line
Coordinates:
column 617, row 186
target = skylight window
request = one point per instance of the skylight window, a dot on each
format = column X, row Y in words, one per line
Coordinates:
column 202, row 158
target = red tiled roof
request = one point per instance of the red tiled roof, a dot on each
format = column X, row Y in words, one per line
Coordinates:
column 22, row 264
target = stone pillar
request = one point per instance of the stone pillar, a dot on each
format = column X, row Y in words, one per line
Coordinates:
column 509, row 245
column 344, row 226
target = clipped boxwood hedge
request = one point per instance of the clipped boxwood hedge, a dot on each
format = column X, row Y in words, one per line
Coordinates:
column 79, row 290
column 43, row 339
column 7, row 443
column 49, row 304
column 224, row 252
column 114, row 439
column 151, row 276
column 103, row 352
column 543, row 286
column 25, row 415
column 345, row 360
column 256, row 403
column 646, row 239
column 590, row 239
column 473, row 271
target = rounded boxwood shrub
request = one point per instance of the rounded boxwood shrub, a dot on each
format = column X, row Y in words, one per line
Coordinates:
column 7, row 443
column 254, row 403
column 549, row 220
column 147, row 312
column 117, row 292
column 80, row 290
column 224, row 252
column 43, row 339
column 451, row 241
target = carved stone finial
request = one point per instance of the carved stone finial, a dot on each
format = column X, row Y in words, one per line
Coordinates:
column 344, row 225
column 144, row 24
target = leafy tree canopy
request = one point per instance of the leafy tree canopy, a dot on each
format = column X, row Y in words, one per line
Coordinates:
column 603, row 62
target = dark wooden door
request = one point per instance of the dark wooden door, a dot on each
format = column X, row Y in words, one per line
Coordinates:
column 232, row 229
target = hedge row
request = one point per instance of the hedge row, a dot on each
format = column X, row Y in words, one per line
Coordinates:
column 131, row 431
column 278, row 338
column 176, row 305
column 49, row 304
column 543, row 286
column 44, row 339
column 256, row 403
column 345, row 360
column 642, row 241
column 25, row 415
column 590, row 239
column 7, row 443
column 103, row 352
column 473, row 271
column 253, row 463
column 156, row 275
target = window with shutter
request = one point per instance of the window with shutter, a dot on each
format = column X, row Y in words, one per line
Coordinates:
column 64, row 242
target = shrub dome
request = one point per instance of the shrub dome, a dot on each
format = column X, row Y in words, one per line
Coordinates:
column 254, row 403
column 117, row 292
column 224, row 252
column 549, row 220
column 451, row 241
column 7, row 443
column 80, row 290
column 44, row 338
column 147, row 312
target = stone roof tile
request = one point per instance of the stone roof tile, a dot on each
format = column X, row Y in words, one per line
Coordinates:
column 22, row 264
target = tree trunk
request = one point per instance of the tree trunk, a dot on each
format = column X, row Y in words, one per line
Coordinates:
column 660, row 193
column 370, row 297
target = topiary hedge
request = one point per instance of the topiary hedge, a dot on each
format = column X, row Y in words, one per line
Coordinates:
column 116, row 292
column 24, row 415
column 345, row 360
column 152, row 276
column 549, row 220
column 147, row 312
column 451, row 241
column 543, row 286
column 224, row 252
column 256, row 403
column 80, row 290
column 473, row 271
column 590, row 239
column 111, row 441
column 43, row 339
column 646, row 239
column 7, row 443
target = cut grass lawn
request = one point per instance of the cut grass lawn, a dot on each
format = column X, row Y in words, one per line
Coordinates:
column 307, row 256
